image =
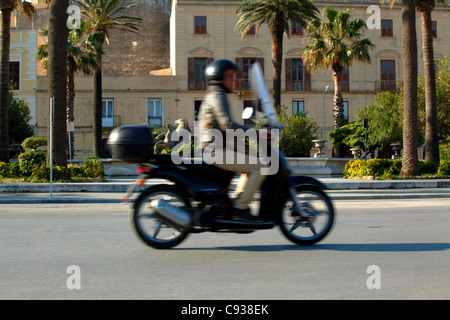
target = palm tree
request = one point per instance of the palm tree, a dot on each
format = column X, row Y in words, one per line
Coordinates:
column 57, row 76
column 410, row 163
column 277, row 14
column 7, row 6
column 337, row 44
column 104, row 16
column 82, row 56
column 425, row 7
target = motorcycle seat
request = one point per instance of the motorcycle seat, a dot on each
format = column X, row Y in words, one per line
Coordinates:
column 197, row 166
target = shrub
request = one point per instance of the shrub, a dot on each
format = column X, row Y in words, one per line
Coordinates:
column 427, row 167
column 4, row 170
column 93, row 169
column 298, row 132
column 34, row 143
column 353, row 168
column 395, row 168
column 376, row 167
column 76, row 171
column 30, row 159
column 444, row 168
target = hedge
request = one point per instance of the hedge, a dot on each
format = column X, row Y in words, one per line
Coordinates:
column 40, row 172
column 385, row 168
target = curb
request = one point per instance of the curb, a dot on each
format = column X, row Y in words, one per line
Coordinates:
column 122, row 187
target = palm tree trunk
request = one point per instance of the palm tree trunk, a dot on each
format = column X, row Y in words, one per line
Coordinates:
column 277, row 32
column 97, row 110
column 57, row 78
column 338, row 108
column 5, row 36
column 431, row 126
column 277, row 58
column 410, row 163
column 71, row 102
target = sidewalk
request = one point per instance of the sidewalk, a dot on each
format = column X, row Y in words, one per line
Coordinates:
column 114, row 190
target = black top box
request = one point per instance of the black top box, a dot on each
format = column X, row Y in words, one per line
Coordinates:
column 131, row 143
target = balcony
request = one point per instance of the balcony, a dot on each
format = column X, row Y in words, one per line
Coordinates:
column 298, row 85
column 111, row 121
column 386, row 85
column 242, row 84
column 199, row 85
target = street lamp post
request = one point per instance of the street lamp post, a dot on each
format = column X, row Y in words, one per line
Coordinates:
column 320, row 144
column 323, row 112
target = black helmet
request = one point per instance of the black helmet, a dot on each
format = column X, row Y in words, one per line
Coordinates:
column 214, row 72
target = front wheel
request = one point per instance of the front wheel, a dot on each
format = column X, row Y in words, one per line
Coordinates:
column 311, row 222
column 149, row 227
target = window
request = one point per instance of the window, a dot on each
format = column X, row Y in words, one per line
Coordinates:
column 197, row 106
column 345, row 77
column 200, row 25
column 434, row 29
column 388, row 82
column 108, row 113
column 244, row 66
column 298, row 106
column 386, row 28
column 297, row 76
column 155, row 112
column 251, row 121
column 296, row 29
column 345, row 107
column 14, row 74
column 251, row 31
column 196, row 73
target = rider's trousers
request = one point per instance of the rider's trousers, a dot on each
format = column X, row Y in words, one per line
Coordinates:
column 231, row 160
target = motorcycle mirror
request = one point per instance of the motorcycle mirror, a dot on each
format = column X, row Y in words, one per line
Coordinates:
column 247, row 113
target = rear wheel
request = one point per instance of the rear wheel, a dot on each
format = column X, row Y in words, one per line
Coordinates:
column 311, row 222
column 149, row 227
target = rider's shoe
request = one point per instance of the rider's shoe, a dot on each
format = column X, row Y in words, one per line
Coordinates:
column 245, row 215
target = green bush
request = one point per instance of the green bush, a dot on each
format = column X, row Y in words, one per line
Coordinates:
column 31, row 159
column 395, row 168
column 386, row 168
column 427, row 167
column 76, row 171
column 299, row 130
column 353, row 168
column 94, row 169
column 4, row 170
column 34, row 143
column 444, row 168
column 37, row 170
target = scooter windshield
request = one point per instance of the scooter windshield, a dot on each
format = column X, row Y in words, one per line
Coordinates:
column 263, row 103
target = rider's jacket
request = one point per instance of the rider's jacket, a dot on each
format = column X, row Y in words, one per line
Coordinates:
column 215, row 113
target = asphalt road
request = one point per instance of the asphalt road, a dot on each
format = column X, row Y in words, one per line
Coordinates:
column 383, row 249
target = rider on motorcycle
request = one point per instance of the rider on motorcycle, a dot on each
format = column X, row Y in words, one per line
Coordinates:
column 215, row 113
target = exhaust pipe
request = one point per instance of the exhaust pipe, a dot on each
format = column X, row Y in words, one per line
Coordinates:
column 174, row 214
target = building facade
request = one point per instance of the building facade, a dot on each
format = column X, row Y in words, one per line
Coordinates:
column 193, row 33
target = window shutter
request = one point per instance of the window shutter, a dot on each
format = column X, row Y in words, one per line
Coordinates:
column 191, row 73
column 288, row 74
column 306, row 78
column 238, row 62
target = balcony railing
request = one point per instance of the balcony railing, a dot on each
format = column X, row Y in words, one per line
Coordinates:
column 298, row 85
column 111, row 121
column 242, row 84
column 199, row 84
column 386, row 85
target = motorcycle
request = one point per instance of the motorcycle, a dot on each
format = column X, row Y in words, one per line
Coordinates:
column 196, row 198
